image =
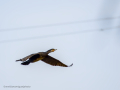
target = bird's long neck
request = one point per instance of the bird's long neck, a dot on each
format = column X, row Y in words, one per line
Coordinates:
column 49, row 51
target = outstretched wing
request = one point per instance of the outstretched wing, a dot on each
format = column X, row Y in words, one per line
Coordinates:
column 52, row 61
column 25, row 58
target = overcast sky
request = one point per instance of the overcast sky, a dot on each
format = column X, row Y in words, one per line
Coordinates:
column 84, row 32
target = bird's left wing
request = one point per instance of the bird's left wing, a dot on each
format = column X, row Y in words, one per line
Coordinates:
column 52, row 61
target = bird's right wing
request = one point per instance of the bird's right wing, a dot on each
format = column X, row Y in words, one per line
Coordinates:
column 52, row 61
column 25, row 58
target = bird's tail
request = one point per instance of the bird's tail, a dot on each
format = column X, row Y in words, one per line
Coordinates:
column 26, row 63
column 19, row 60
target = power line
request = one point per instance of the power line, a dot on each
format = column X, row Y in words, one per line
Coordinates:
column 56, row 35
column 58, row 24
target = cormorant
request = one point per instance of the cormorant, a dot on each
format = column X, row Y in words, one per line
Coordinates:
column 43, row 56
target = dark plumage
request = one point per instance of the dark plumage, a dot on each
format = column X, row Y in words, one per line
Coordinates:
column 43, row 56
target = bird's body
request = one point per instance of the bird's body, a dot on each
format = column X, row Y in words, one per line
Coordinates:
column 43, row 56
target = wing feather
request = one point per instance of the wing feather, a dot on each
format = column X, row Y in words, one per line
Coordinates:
column 25, row 58
column 52, row 61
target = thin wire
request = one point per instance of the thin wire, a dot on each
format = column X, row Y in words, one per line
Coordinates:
column 56, row 35
column 58, row 24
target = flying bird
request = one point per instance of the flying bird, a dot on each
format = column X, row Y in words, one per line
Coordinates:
column 43, row 56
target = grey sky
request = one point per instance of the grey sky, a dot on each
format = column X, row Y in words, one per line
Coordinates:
column 94, row 54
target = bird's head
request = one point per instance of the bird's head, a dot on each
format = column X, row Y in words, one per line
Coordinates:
column 51, row 50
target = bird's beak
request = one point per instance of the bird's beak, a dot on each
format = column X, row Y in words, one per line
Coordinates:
column 54, row 50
